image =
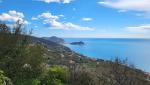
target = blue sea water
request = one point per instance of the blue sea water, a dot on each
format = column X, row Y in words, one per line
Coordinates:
column 137, row 51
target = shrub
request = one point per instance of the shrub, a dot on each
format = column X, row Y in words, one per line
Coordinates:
column 4, row 80
column 19, row 59
column 56, row 75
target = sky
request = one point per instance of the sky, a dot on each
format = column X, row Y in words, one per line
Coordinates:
column 80, row 18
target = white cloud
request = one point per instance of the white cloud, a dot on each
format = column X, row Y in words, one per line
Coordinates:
column 34, row 18
column 56, row 1
column 13, row 16
column 87, row 19
column 139, row 29
column 128, row 5
column 53, row 22
column 67, row 1
column 61, row 15
column 120, row 11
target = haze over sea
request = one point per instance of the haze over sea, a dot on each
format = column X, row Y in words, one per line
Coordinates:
column 137, row 51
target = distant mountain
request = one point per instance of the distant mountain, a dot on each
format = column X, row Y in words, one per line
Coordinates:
column 55, row 39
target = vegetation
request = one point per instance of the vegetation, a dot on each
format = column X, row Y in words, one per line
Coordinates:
column 4, row 79
column 56, row 75
column 21, row 61
column 26, row 60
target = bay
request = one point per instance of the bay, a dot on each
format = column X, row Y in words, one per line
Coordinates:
column 137, row 51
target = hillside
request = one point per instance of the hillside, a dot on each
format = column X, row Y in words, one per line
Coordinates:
column 54, row 39
column 102, row 72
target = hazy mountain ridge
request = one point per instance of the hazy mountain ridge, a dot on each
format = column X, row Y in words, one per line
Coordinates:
column 55, row 39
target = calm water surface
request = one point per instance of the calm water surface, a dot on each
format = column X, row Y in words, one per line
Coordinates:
column 136, row 50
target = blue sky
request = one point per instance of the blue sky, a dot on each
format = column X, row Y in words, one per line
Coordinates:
column 80, row 18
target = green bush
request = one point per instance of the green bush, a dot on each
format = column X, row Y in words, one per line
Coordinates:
column 4, row 80
column 19, row 59
column 56, row 75
column 29, row 82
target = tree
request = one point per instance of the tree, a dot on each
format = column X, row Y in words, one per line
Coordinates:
column 56, row 75
column 21, row 60
column 120, row 73
column 80, row 75
column 3, row 79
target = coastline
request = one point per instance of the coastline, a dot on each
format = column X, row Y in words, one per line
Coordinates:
column 124, row 48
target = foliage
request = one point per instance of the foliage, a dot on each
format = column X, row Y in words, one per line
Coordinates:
column 29, row 82
column 20, row 60
column 81, row 75
column 56, row 75
column 2, row 77
column 4, row 80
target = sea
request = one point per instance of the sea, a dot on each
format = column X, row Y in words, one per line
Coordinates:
column 136, row 51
